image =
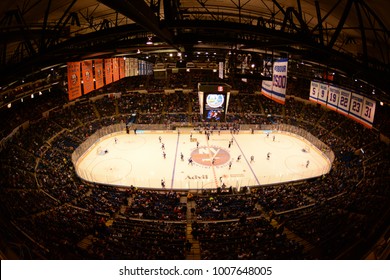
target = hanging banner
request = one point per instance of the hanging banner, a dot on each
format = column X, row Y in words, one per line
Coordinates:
column 121, row 68
column 355, row 111
column 134, row 67
column 279, row 80
column 357, row 107
column 266, row 88
column 333, row 97
column 108, row 70
column 99, row 82
column 115, row 69
column 368, row 112
column 74, row 81
column 344, row 101
column 323, row 94
column 86, row 69
column 314, row 89
column 127, row 67
column 276, row 89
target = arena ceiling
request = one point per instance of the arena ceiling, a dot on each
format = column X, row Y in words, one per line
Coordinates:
column 351, row 36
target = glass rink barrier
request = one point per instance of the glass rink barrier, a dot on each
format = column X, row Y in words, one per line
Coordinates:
column 188, row 158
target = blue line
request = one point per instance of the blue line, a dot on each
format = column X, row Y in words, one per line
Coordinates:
column 174, row 163
column 248, row 163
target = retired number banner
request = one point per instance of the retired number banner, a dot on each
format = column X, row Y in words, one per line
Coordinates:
column 357, row 107
column 314, row 89
column 333, row 97
column 344, row 102
column 323, row 94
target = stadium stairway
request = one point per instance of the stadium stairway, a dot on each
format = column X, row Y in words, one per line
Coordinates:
column 194, row 252
column 307, row 246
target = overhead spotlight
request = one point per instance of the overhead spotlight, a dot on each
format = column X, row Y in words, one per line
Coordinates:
column 9, row 105
column 40, row 93
column 381, row 103
column 32, row 95
column 149, row 42
column 138, row 51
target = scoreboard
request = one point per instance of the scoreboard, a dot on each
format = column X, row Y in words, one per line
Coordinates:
column 344, row 101
column 213, row 101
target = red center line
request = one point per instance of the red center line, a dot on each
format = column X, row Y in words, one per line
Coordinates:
column 211, row 163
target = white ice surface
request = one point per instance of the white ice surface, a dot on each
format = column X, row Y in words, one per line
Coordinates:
column 138, row 160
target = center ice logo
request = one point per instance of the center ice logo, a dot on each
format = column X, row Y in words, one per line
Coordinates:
column 208, row 156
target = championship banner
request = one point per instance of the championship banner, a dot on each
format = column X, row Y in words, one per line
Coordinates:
column 99, row 82
column 266, row 88
column 333, row 97
column 74, row 81
column 279, row 80
column 86, row 69
column 121, row 68
column 344, row 102
column 108, row 70
column 314, row 89
column 323, row 94
column 115, row 69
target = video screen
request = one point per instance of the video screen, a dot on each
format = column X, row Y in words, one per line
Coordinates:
column 214, row 115
column 214, row 109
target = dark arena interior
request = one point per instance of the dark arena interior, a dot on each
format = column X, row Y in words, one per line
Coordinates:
column 70, row 68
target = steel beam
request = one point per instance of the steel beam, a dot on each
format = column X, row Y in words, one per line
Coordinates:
column 319, row 24
column 362, row 33
column 340, row 26
column 42, row 45
column 142, row 14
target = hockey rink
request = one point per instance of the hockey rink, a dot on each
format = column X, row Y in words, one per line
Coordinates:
column 195, row 161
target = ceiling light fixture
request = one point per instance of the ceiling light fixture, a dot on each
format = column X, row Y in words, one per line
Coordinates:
column 149, row 42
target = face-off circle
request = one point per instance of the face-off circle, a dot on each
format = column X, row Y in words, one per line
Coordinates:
column 210, row 156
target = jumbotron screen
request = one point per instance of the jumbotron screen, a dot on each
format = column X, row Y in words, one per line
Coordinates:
column 215, row 104
column 213, row 101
